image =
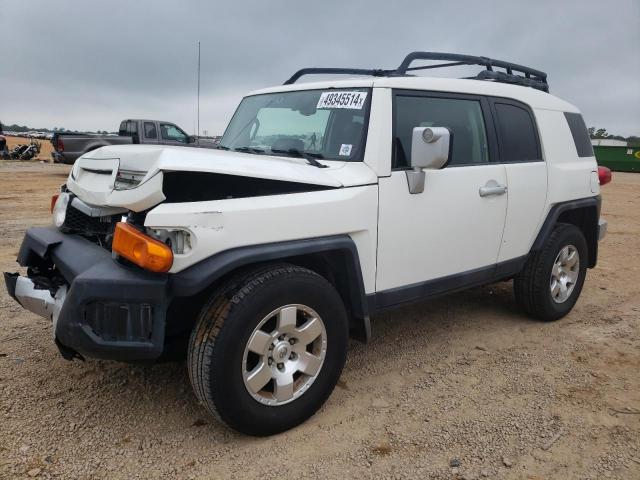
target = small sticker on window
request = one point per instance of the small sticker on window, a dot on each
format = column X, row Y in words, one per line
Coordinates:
column 354, row 100
column 345, row 149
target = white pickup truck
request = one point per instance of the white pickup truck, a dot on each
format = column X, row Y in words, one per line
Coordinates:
column 323, row 204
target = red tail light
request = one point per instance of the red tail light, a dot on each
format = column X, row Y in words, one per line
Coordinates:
column 60, row 145
column 604, row 175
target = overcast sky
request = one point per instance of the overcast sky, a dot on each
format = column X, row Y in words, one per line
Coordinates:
column 87, row 64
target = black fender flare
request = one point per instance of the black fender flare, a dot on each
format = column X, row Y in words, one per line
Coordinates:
column 203, row 274
column 554, row 215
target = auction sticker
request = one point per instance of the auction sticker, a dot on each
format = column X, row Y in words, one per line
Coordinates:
column 350, row 99
column 345, row 149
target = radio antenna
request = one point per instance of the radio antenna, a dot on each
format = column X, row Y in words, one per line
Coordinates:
column 198, row 133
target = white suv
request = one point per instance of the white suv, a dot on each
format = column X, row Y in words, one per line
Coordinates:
column 324, row 203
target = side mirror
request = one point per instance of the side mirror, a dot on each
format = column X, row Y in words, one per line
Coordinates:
column 191, row 139
column 431, row 149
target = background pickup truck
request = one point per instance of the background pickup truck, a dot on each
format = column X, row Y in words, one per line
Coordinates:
column 68, row 146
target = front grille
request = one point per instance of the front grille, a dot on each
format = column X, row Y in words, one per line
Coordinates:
column 81, row 223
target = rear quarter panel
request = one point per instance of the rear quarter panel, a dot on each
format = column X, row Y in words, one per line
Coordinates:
column 568, row 176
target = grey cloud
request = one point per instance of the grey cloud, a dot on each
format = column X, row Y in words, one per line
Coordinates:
column 86, row 65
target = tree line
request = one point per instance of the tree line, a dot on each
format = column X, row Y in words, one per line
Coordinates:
column 598, row 133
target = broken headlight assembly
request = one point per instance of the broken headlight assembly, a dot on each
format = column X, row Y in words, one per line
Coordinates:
column 59, row 203
column 180, row 241
column 128, row 179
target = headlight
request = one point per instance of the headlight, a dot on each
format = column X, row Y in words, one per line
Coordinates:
column 60, row 209
column 128, row 179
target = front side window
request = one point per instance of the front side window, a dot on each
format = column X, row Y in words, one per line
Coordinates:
column 327, row 124
column 461, row 116
column 517, row 135
column 172, row 133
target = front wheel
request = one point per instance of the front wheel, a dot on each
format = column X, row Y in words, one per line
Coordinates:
column 552, row 279
column 268, row 349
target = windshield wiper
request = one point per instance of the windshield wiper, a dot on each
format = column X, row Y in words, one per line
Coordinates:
column 308, row 156
column 221, row 147
column 248, row 150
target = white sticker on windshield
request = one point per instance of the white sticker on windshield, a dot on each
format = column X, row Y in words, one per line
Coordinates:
column 354, row 100
column 345, row 149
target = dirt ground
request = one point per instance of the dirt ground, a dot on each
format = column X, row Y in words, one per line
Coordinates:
column 462, row 387
column 45, row 147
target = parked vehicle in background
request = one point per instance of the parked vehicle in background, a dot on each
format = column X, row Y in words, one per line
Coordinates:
column 25, row 151
column 68, row 146
column 325, row 202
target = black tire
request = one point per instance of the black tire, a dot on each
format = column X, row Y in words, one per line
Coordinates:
column 225, row 325
column 532, row 284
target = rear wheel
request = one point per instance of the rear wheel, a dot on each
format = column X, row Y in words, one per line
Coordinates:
column 269, row 348
column 552, row 279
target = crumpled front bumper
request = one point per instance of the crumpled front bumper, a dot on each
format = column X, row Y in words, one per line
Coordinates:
column 104, row 309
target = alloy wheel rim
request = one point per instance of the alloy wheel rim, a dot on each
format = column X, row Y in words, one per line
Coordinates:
column 564, row 273
column 284, row 354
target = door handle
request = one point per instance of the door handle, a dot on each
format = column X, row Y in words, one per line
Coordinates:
column 492, row 188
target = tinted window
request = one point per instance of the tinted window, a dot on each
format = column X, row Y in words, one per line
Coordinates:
column 150, row 130
column 580, row 134
column 132, row 127
column 517, row 135
column 171, row 132
column 463, row 117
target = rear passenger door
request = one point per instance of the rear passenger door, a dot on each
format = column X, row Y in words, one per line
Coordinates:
column 521, row 154
column 449, row 235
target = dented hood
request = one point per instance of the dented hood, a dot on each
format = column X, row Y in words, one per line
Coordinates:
column 93, row 175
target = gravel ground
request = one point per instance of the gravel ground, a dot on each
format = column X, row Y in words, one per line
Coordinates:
column 462, row 387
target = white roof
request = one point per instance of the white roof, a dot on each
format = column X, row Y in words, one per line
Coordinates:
column 532, row 97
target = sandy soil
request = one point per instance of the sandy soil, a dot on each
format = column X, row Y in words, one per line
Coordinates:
column 465, row 380
column 45, row 149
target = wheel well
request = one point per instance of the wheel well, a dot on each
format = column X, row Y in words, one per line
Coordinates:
column 586, row 219
column 338, row 267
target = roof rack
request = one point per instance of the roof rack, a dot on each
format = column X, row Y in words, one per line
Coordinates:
column 513, row 74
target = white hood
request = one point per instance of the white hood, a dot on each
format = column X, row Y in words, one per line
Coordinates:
column 93, row 175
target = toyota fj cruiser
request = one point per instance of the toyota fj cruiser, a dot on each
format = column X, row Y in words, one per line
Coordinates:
column 324, row 203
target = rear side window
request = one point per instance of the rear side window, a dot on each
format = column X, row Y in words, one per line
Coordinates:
column 580, row 134
column 517, row 134
column 150, row 130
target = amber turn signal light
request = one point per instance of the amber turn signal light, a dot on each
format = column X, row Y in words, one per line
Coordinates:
column 141, row 249
column 54, row 199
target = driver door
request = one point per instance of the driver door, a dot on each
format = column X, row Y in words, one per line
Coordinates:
column 449, row 235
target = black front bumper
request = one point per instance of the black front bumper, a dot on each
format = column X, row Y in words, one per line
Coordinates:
column 110, row 311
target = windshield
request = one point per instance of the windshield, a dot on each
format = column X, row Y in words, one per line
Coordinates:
column 325, row 124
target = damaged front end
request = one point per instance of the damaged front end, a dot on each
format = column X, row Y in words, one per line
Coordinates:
column 98, row 307
column 105, row 304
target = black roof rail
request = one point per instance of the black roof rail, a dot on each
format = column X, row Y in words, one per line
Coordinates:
column 515, row 74
column 371, row 72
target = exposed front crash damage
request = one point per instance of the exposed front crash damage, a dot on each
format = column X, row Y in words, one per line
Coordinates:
column 99, row 308
column 204, row 205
